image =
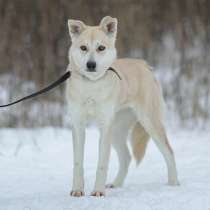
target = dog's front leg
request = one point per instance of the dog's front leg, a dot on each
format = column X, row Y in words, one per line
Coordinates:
column 103, row 161
column 78, row 134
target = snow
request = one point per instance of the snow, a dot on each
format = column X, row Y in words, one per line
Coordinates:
column 36, row 173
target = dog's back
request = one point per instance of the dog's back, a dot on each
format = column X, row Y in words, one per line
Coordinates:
column 139, row 85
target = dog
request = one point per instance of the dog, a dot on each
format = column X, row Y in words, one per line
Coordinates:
column 133, row 104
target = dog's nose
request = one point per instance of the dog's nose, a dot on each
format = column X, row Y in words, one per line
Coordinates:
column 91, row 66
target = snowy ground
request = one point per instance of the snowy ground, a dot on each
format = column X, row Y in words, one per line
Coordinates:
column 36, row 173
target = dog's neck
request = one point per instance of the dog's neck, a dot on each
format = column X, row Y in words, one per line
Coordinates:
column 76, row 74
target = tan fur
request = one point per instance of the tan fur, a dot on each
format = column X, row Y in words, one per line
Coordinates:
column 139, row 87
column 139, row 141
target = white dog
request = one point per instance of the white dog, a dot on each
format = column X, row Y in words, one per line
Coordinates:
column 117, row 105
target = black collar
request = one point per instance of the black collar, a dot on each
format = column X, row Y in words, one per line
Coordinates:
column 112, row 69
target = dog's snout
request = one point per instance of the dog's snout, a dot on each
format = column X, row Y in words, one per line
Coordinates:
column 91, row 66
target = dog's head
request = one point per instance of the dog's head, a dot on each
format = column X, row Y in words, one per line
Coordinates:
column 93, row 47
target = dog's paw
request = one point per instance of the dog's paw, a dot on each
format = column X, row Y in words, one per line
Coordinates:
column 77, row 193
column 98, row 194
column 110, row 186
column 114, row 185
column 174, row 183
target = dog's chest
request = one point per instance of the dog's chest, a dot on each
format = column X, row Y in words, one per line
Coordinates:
column 91, row 99
column 89, row 105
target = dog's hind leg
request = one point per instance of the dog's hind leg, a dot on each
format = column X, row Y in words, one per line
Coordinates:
column 161, row 140
column 154, row 127
column 121, row 126
column 124, row 158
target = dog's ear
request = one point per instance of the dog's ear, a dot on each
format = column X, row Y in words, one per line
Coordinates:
column 76, row 27
column 109, row 26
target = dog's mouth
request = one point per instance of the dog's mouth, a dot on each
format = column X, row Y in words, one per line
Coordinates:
column 94, row 74
column 91, row 70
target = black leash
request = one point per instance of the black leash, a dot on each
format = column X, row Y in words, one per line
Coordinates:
column 44, row 90
column 62, row 79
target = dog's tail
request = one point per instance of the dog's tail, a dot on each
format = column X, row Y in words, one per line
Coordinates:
column 139, row 141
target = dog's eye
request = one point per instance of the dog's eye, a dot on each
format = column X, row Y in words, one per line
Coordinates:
column 83, row 48
column 101, row 48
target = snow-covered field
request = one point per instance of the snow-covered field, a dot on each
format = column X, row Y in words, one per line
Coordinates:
column 36, row 173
